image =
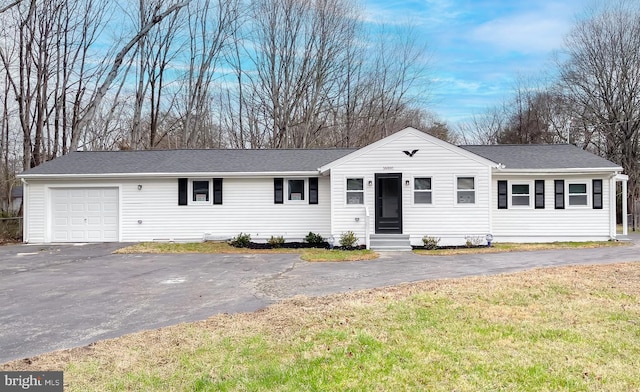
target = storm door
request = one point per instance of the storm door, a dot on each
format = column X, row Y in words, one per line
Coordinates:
column 389, row 203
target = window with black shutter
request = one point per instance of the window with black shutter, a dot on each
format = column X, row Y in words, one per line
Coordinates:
column 502, row 195
column 597, row 194
column 539, row 189
column 313, row 190
column 559, row 194
column 278, row 194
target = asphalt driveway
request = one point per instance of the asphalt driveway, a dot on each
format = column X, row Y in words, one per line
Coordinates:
column 55, row 297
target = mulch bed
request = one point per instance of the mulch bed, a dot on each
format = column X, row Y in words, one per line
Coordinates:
column 417, row 247
column 301, row 245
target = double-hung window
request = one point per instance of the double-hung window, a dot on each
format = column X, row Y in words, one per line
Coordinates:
column 200, row 191
column 295, row 190
column 578, row 194
column 422, row 190
column 355, row 190
column 466, row 190
column 520, row 195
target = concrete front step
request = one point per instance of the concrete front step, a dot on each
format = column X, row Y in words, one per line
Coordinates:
column 390, row 242
column 391, row 249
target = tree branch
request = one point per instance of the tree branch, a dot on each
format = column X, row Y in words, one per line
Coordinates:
column 113, row 73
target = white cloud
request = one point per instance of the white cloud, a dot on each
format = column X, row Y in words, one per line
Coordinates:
column 538, row 31
column 413, row 12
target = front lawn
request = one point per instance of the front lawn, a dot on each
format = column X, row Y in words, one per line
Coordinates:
column 337, row 255
column 572, row 328
column 308, row 254
column 512, row 247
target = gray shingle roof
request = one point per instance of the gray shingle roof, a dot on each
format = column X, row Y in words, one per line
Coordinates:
column 189, row 161
column 541, row 156
column 526, row 156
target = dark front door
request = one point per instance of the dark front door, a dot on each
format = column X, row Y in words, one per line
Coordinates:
column 389, row 203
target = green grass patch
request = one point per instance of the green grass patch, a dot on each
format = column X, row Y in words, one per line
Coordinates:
column 308, row 254
column 556, row 329
column 513, row 247
column 195, row 247
column 337, row 255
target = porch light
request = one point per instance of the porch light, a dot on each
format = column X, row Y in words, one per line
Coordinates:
column 406, row 183
column 370, row 183
column 139, row 187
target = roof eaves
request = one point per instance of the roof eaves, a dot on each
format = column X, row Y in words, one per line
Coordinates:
column 172, row 175
column 560, row 170
column 451, row 147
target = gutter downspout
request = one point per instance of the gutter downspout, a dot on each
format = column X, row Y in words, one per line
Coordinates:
column 366, row 227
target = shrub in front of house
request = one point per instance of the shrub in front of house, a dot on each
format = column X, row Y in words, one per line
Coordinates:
column 348, row 239
column 314, row 239
column 430, row 243
column 242, row 240
column 276, row 241
column 473, row 241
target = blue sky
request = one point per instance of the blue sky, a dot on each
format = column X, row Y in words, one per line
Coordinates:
column 479, row 48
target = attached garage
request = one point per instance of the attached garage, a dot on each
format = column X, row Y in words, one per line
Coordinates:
column 84, row 214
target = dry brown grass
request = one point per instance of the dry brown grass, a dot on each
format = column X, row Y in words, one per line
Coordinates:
column 584, row 301
column 512, row 247
column 196, row 247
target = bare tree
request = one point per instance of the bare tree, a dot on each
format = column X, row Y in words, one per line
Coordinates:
column 602, row 77
column 383, row 84
column 7, row 7
column 153, row 55
column 212, row 24
column 298, row 63
column 56, row 83
column 101, row 91
column 484, row 128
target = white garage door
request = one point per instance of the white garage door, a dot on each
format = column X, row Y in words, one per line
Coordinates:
column 85, row 214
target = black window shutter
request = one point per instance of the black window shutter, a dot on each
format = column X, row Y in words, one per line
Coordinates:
column 182, row 191
column 217, row 191
column 278, row 194
column 502, row 195
column 597, row 194
column 313, row 190
column 539, row 189
column 559, row 192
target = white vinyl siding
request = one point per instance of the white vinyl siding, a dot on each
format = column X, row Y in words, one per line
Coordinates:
column 551, row 224
column 153, row 214
column 444, row 220
column 35, row 219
